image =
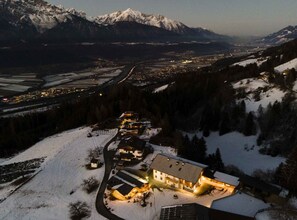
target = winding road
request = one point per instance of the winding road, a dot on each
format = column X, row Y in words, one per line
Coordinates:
column 108, row 159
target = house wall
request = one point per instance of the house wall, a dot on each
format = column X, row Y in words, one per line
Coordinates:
column 159, row 176
column 94, row 165
column 173, row 181
column 218, row 184
column 136, row 153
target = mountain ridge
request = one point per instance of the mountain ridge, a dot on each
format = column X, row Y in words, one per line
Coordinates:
column 37, row 20
column 282, row 36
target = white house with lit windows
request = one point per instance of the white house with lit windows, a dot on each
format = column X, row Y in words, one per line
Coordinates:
column 177, row 172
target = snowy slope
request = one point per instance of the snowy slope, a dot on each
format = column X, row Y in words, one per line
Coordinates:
column 286, row 66
column 47, row 195
column 268, row 93
column 241, row 151
column 258, row 61
column 138, row 17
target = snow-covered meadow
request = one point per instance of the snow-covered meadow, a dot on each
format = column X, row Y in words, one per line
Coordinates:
column 240, row 151
column 58, row 183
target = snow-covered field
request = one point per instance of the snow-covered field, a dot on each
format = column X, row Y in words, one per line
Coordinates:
column 58, row 183
column 241, row 151
column 269, row 95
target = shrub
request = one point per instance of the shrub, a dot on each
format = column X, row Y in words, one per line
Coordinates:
column 79, row 210
column 90, row 184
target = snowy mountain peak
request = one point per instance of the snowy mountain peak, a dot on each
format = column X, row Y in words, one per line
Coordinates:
column 131, row 15
column 282, row 36
column 36, row 13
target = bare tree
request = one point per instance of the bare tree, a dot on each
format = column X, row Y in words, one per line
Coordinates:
column 79, row 210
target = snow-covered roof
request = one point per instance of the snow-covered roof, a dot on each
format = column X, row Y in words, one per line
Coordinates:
column 225, row 178
column 178, row 167
column 241, row 204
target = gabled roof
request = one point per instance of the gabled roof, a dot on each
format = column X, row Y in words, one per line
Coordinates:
column 240, row 203
column 178, row 167
column 193, row 211
column 94, row 160
column 132, row 141
column 225, row 178
column 128, row 178
column 125, row 189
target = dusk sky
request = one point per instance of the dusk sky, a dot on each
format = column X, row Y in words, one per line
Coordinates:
column 233, row 17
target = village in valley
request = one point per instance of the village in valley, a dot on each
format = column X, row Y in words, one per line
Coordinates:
column 148, row 181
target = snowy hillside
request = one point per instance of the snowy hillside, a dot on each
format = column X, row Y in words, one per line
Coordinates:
column 59, row 181
column 131, row 15
column 241, row 151
column 258, row 92
column 286, row 66
column 244, row 63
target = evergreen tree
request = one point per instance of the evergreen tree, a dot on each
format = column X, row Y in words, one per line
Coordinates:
column 215, row 161
column 225, row 125
column 249, row 125
column 289, row 172
column 201, row 150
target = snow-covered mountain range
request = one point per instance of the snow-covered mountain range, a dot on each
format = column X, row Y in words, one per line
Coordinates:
column 284, row 35
column 131, row 15
column 38, row 20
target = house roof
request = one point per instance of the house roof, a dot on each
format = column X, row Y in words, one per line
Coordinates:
column 131, row 178
column 93, row 160
column 190, row 211
column 225, row 178
column 178, row 167
column 125, row 177
column 240, row 203
column 193, row 211
column 132, row 141
column 125, row 189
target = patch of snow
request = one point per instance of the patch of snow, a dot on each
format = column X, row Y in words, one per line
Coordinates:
column 149, row 133
column 244, row 63
column 263, row 216
column 269, row 95
column 160, row 89
column 113, row 145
